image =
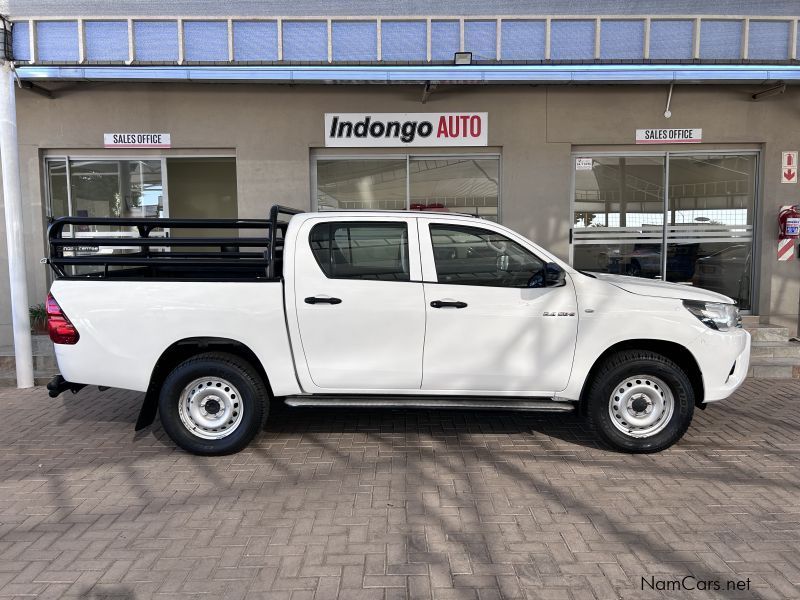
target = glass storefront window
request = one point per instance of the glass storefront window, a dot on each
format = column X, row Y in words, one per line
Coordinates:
column 464, row 185
column 378, row 184
column 618, row 216
column 445, row 183
column 57, row 185
column 116, row 188
column 621, row 204
column 200, row 187
column 105, row 188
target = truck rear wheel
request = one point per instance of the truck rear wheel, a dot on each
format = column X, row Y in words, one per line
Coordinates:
column 213, row 404
column 640, row 402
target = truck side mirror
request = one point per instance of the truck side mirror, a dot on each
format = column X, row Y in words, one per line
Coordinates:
column 555, row 276
column 550, row 275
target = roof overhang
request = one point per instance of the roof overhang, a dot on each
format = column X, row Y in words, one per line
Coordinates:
column 405, row 74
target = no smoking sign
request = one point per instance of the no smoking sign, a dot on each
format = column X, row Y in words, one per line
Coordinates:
column 789, row 167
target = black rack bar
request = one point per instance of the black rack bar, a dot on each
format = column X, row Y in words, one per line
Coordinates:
column 161, row 241
column 274, row 215
column 161, row 223
column 205, row 263
column 146, row 261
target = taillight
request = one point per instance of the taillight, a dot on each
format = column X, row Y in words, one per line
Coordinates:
column 58, row 325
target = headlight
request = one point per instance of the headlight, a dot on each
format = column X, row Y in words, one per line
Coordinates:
column 715, row 315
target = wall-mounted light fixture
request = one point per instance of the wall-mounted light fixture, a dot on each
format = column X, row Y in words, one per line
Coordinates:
column 462, row 58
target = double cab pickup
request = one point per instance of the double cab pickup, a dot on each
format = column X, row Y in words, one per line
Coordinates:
column 362, row 309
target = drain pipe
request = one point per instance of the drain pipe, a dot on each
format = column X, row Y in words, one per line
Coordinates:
column 12, row 200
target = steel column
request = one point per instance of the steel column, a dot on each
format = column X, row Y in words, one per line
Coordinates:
column 12, row 200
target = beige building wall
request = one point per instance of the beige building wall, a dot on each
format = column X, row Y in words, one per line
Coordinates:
column 272, row 131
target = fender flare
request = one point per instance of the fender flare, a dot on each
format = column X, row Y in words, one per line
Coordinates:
column 179, row 351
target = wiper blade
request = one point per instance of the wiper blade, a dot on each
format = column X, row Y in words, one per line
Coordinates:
column 588, row 274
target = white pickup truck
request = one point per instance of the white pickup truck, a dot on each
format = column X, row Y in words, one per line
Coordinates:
column 376, row 309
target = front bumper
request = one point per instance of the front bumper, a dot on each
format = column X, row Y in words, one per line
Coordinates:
column 724, row 358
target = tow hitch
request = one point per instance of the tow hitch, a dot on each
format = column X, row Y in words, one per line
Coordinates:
column 58, row 384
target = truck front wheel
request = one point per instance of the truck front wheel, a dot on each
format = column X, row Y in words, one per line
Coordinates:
column 640, row 401
column 213, row 404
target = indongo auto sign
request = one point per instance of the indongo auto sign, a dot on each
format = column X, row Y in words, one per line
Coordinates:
column 360, row 130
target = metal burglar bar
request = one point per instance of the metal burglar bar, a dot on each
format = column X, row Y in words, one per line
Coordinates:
column 65, row 40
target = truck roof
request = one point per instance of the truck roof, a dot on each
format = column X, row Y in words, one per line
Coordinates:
column 378, row 212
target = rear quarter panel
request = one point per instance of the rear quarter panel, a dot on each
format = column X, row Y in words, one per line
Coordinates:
column 125, row 326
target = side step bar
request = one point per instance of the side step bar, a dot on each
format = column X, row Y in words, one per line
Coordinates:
column 436, row 402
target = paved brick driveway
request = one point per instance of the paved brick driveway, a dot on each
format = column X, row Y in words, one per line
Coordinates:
column 390, row 504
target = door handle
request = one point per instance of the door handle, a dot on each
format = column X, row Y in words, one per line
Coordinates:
column 322, row 300
column 448, row 303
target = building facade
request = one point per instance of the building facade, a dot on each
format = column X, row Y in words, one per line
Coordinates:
column 626, row 138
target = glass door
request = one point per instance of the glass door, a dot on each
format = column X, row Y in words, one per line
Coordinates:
column 618, row 215
column 683, row 217
column 712, row 202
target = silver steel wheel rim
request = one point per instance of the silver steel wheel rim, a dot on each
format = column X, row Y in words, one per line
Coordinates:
column 641, row 406
column 210, row 408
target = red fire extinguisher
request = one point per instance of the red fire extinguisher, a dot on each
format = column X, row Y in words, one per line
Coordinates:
column 789, row 223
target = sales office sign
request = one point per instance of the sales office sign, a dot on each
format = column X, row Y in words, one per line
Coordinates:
column 384, row 130
column 136, row 140
column 669, row 136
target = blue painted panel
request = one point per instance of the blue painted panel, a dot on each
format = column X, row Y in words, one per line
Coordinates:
column 480, row 38
column 355, row 41
column 255, row 40
column 404, row 40
column 305, row 41
column 572, row 40
column 205, row 40
column 523, row 40
column 445, row 40
column 21, row 42
column 155, row 41
column 106, row 40
column 769, row 40
column 622, row 40
column 671, row 39
column 57, row 41
column 720, row 40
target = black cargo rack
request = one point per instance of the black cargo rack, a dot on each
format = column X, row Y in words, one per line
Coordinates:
column 182, row 257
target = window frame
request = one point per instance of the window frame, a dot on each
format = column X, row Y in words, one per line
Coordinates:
column 431, row 274
column 412, row 249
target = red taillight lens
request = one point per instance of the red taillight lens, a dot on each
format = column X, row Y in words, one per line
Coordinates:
column 58, row 325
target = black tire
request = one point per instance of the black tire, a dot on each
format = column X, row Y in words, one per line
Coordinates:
column 252, row 397
column 616, row 369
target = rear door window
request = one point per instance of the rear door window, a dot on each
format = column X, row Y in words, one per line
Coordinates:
column 361, row 250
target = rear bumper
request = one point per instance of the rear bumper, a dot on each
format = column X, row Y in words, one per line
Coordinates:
column 724, row 359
